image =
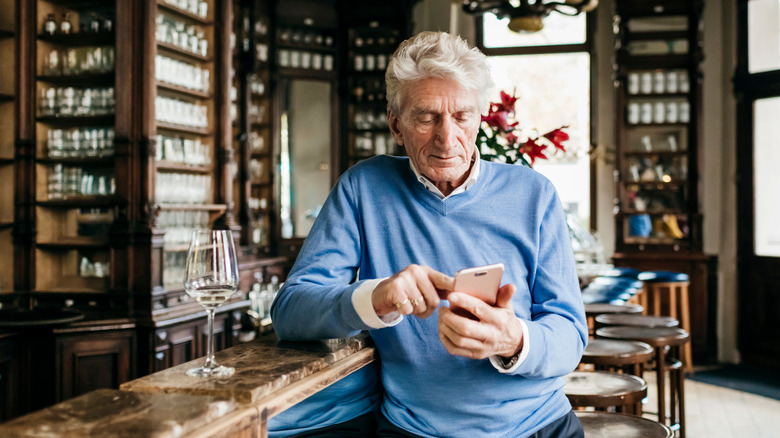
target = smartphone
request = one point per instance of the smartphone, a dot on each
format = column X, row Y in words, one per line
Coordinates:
column 481, row 282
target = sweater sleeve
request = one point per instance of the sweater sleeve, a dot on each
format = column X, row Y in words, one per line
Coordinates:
column 557, row 330
column 316, row 299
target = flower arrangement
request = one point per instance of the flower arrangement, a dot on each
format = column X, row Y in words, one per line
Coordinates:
column 500, row 134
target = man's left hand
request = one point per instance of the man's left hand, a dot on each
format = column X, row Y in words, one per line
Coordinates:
column 496, row 330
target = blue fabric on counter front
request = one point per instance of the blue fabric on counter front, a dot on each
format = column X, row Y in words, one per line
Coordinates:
column 379, row 219
column 352, row 396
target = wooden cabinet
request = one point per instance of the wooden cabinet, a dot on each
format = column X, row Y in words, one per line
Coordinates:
column 658, row 88
column 120, row 133
column 7, row 126
column 179, row 342
column 371, row 33
column 14, row 366
column 92, row 361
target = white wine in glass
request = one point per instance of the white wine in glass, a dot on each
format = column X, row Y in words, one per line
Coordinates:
column 211, row 278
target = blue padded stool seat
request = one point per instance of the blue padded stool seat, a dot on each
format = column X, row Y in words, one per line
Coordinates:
column 662, row 276
column 616, row 282
column 622, row 272
column 611, row 290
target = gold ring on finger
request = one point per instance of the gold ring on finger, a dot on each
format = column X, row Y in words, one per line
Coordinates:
column 401, row 304
column 417, row 302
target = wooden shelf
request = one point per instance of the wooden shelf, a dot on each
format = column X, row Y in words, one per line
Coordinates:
column 307, row 47
column 650, row 62
column 193, row 207
column 657, row 125
column 6, row 33
column 660, row 96
column 664, row 35
column 176, row 248
column 80, row 202
column 384, row 129
column 107, row 119
column 80, row 80
column 186, row 53
column 182, row 167
column 6, row 225
column 6, row 97
column 183, row 13
column 80, row 161
column 654, row 184
column 183, row 90
column 81, row 39
column 5, row 161
column 68, row 244
column 183, row 129
column 656, row 153
column 626, row 213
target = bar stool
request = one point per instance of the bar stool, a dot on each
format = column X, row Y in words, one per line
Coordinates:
column 618, row 355
column 610, row 425
column 661, row 339
column 592, row 310
column 635, row 320
column 670, row 290
column 605, row 390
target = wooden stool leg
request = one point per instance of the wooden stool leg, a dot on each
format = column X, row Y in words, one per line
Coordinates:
column 643, row 300
column 672, row 300
column 685, row 319
column 660, row 360
column 673, row 379
column 681, row 394
column 656, row 291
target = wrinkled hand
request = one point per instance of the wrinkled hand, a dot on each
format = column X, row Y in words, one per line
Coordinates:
column 416, row 290
column 496, row 331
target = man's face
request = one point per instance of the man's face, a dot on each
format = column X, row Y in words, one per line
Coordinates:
column 438, row 127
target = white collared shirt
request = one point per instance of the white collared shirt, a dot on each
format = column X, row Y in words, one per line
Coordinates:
column 428, row 184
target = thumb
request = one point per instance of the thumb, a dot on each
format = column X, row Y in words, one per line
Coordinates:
column 504, row 297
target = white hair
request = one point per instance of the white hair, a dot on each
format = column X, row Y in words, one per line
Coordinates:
column 437, row 55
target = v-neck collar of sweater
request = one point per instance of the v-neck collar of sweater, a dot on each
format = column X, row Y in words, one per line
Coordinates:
column 451, row 203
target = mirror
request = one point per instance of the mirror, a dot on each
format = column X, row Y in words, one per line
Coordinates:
column 304, row 154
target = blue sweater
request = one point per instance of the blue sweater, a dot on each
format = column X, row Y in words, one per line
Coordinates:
column 379, row 219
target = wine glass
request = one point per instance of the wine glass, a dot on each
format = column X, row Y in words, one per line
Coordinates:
column 211, row 278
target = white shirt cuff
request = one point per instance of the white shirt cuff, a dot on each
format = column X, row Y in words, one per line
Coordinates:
column 361, row 299
column 498, row 363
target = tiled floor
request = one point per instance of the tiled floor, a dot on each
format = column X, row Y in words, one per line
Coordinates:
column 717, row 412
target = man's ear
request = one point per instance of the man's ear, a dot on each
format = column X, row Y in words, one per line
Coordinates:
column 393, row 122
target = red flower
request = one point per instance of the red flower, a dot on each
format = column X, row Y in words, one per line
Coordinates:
column 557, row 137
column 534, row 150
column 507, row 102
column 503, row 141
column 498, row 120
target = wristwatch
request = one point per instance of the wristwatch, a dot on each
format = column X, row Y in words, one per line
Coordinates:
column 509, row 362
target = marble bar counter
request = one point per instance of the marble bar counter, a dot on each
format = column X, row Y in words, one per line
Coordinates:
column 271, row 375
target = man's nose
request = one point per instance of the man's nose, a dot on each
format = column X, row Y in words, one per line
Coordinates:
column 446, row 132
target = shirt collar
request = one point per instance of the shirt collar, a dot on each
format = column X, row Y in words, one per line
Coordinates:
column 431, row 187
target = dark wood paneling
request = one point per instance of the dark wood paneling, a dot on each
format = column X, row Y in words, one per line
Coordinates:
column 14, row 364
column 93, row 361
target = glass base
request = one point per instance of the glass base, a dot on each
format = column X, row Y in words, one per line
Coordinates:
column 217, row 371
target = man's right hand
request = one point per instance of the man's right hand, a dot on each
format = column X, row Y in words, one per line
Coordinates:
column 416, row 290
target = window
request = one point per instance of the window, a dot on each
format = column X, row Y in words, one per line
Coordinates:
column 550, row 73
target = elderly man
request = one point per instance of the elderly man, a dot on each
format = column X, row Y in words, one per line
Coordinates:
column 394, row 230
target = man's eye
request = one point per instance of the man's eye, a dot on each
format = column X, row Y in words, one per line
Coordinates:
column 425, row 119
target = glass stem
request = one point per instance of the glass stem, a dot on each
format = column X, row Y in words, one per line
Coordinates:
column 210, row 362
